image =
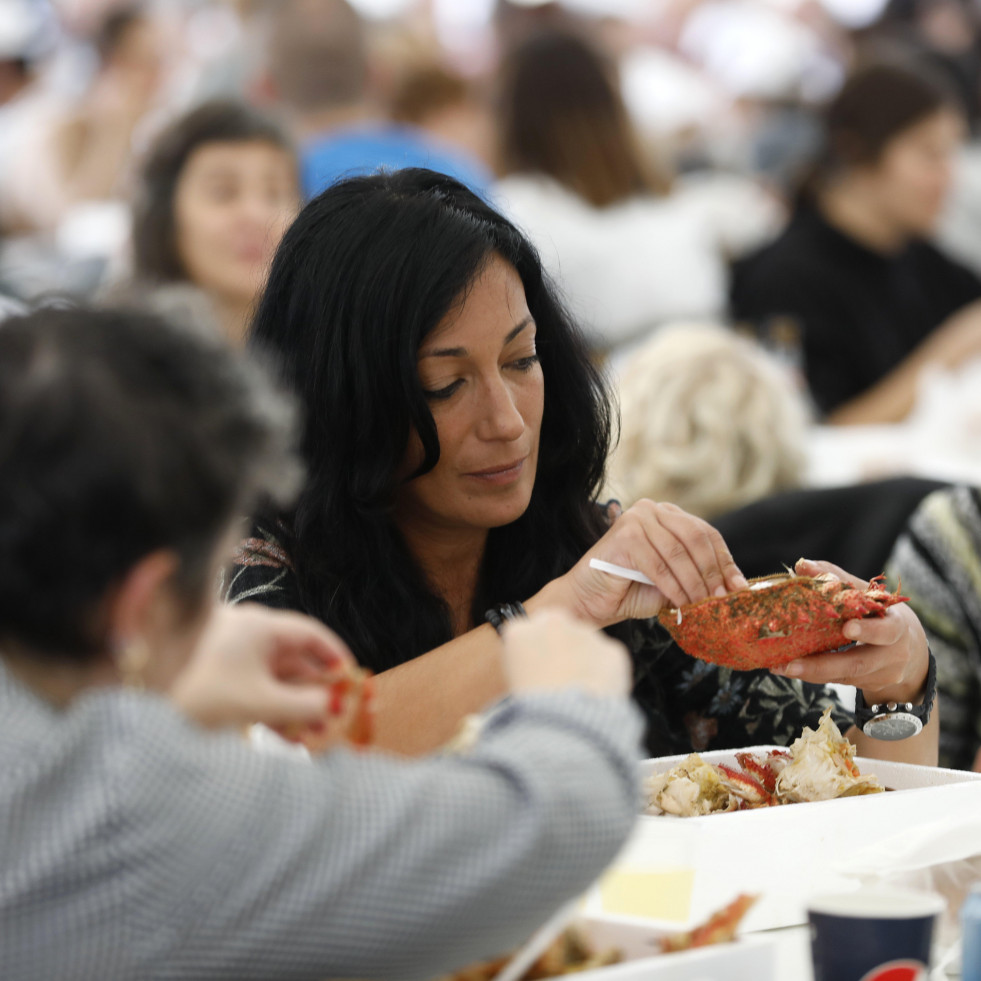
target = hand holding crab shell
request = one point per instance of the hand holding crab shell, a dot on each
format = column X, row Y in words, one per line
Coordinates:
column 689, row 561
column 890, row 660
column 818, row 624
column 684, row 555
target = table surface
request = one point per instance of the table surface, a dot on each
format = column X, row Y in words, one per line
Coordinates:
column 839, row 455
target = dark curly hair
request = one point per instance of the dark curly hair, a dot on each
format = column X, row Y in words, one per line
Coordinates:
column 121, row 434
column 367, row 271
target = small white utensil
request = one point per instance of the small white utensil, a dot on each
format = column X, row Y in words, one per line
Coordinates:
column 620, row 570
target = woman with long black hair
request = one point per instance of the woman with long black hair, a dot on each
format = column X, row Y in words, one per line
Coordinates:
column 455, row 438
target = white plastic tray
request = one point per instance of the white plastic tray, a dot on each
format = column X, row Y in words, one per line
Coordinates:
column 674, row 872
column 746, row 959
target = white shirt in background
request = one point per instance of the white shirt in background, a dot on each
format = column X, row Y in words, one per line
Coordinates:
column 632, row 266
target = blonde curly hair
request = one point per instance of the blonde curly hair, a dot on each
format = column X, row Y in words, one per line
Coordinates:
column 709, row 421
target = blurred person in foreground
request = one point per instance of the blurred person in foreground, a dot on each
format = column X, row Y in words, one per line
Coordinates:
column 874, row 301
column 139, row 844
column 216, row 192
column 629, row 247
column 456, row 437
column 319, row 66
column 708, row 421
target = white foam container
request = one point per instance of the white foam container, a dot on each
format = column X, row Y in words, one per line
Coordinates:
column 675, row 872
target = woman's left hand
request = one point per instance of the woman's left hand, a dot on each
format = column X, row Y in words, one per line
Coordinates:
column 890, row 661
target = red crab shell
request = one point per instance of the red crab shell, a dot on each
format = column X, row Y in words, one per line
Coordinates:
column 770, row 625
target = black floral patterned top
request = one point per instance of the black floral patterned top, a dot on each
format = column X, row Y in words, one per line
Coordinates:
column 689, row 704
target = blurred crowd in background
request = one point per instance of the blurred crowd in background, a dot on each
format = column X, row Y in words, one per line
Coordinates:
column 675, row 162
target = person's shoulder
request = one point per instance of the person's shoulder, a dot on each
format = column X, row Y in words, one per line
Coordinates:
column 367, row 148
column 796, row 267
column 336, row 154
column 557, row 220
column 264, row 546
column 422, row 149
column 338, row 141
column 791, row 251
column 530, row 186
column 930, row 258
column 262, row 570
column 103, row 734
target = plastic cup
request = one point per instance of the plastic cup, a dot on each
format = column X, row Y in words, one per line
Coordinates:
column 873, row 935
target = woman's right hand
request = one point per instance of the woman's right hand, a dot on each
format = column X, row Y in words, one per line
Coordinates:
column 684, row 555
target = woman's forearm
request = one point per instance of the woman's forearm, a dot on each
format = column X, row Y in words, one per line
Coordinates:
column 420, row 704
column 889, row 400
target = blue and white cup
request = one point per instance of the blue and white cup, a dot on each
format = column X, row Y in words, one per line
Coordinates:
column 873, row 935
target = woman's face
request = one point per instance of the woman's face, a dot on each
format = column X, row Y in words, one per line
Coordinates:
column 911, row 179
column 486, row 393
column 233, row 202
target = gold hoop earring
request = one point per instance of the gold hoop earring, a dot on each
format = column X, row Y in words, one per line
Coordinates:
column 132, row 660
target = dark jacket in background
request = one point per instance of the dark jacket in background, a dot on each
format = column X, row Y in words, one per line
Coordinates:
column 859, row 312
column 855, row 527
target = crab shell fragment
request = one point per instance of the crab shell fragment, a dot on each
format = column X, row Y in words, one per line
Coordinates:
column 775, row 620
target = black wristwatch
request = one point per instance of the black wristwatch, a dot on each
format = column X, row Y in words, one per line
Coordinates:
column 497, row 616
column 893, row 721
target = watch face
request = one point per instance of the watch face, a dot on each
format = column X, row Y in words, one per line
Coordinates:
column 893, row 726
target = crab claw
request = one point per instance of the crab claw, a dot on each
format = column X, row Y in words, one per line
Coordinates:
column 746, row 787
column 760, row 769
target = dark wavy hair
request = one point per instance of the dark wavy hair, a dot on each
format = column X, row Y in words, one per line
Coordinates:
column 121, row 434
column 366, row 272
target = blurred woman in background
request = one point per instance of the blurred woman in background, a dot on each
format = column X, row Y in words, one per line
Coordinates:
column 137, row 845
column 81, row 151
column 874, row 301
column 216, row 193
column 627, row 246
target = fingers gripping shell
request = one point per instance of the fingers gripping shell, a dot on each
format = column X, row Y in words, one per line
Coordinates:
column 777, row 619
